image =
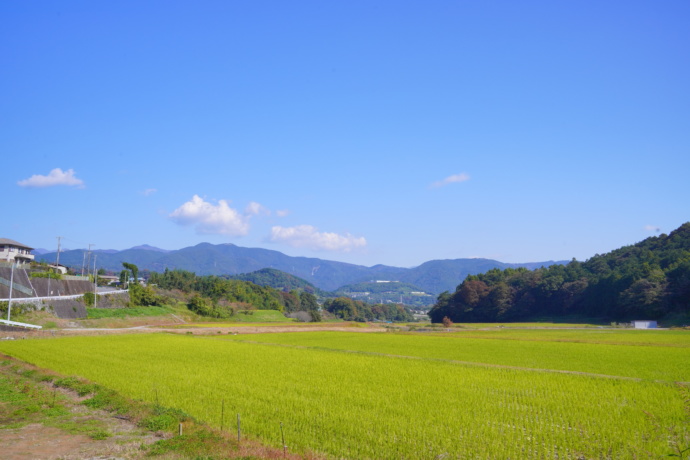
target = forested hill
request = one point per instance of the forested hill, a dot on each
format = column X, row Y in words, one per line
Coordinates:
column 648, row 280
column 278, row 280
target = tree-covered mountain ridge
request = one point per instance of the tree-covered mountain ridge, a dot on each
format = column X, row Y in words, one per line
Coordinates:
column 647, row 280
column 203, row 259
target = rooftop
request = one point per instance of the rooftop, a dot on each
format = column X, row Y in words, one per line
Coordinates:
column 9, row 242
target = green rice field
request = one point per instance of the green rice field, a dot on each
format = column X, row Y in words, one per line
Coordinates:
column 393, row 396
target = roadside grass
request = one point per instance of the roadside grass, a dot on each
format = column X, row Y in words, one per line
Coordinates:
column 260, row 316
column 25, row 400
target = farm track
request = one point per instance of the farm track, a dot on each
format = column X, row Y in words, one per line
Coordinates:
column 180, row 330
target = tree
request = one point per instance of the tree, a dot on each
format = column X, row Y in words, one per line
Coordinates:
column 134, row 269
column 124, row 277
column 342, row 307
column 441, row 308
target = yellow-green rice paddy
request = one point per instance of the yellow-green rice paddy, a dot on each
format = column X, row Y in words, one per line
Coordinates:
column 383, row 395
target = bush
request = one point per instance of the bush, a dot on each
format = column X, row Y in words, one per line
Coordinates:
column 18, row 309
column 51, row 275
column 89, row 298
column 143, row 296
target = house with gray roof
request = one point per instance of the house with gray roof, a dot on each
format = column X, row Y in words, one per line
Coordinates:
column 14, row 251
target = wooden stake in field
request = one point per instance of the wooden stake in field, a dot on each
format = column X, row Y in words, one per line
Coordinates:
column 283, row 436
column 239, row 429
column 222, row 413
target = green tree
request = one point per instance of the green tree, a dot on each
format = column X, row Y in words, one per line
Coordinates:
column 134, row 269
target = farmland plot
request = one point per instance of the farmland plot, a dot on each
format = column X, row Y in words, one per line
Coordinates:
column 366, row 405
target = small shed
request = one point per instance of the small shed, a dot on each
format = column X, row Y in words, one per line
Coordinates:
column 644, row 324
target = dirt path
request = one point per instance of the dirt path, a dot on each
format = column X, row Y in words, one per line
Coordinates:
column 78, row 432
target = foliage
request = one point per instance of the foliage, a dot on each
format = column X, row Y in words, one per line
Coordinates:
column 648, row 280
column 278, row 280
column 97, row 313
column 89, row 298
column 206, row 307
column 132, row 268
column 143, row 296
column 217, row 288
column 46, row 274
column 18, row 308
column 356, row 310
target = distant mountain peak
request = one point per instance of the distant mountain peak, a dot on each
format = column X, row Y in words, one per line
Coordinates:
column 148, row 247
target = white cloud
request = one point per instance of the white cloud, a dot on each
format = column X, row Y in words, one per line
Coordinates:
column 149, row 191
column 254, row 209
column 306, row 236
column 208, row 218
column 462, row 177
column 652, row 228
column 282, row 213
column 56, row 177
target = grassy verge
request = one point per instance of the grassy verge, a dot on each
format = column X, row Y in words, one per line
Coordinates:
column 27, row 399
column 98, row 313
column 261, row 316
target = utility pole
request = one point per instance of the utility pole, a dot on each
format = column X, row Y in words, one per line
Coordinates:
column 88, row 258
column 57, row 261
column 9, row 301
column 95, row 283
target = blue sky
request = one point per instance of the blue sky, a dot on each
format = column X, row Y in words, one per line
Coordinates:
column 390, row 132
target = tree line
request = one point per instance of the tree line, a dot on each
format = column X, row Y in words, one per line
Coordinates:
column 648, row 280
column 220, row 297
column 356, row 310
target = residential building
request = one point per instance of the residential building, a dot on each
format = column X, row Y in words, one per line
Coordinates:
column 13, row 251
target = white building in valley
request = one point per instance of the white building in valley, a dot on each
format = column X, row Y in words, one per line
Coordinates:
column 644, row 324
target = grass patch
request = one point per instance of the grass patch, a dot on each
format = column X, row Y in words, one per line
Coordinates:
column 99, row 313
column 261, row 316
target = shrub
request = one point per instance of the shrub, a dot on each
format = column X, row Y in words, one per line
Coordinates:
column 89, row 298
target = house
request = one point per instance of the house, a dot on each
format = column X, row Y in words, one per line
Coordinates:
column 644, row 324
column 13, row 251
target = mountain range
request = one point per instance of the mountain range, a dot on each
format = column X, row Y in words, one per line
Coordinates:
column 434, row 276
